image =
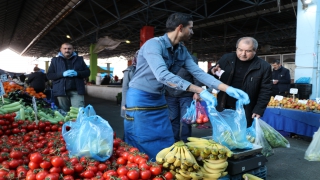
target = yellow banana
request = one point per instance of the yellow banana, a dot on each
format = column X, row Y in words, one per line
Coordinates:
column 189, row 161
column 170, row 157
column 217, row 165
column 211, row 175
column 185, row 173
column 250, row 177
column 180, row 177
column 172, row 172
column 177, row 162
column 222, row 156
column 196, row 152
column 213, row 157
column 224, row 173
column 212, row 171
column 222, row 151
column 196, row 139
column 166, row 165
column 160, row 156
column 216, row 161
column 203, row 155
column 207, row 150
column 214, row 150
column 190, row 169
column 196, row 175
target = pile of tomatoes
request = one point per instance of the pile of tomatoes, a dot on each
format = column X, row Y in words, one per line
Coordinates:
column 33, row 151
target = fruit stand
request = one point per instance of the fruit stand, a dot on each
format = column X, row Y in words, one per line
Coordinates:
column 293, row 116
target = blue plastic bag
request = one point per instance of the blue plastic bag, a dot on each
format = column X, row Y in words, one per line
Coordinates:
column 191, row 115
column 251, row 132
column 229, row 127
column 303, row 80
column 85, row 112
column 91, row 137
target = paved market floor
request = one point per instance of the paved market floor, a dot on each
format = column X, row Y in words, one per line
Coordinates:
column 285, row 164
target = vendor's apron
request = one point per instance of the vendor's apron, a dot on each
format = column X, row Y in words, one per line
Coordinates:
column 147, row 125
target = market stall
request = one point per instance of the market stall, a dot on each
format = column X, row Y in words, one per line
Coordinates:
column 293, row 121
column 108, row 92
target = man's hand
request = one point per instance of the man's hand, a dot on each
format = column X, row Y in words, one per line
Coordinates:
column 275, row 81
column 254, row 115
column 215, row 69
column 196, row 96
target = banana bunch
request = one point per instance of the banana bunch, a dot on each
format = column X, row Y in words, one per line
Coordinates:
column 208, row 149
column 214, row 169
column 179, row 161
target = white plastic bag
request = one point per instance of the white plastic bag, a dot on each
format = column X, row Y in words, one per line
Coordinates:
column 261, row 140
column 313, row 151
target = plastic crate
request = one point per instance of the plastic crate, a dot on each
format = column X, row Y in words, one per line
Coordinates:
column 261, row 172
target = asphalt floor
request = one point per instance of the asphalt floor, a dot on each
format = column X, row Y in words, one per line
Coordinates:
column 285, row 164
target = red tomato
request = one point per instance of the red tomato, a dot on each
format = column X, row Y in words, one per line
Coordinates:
column 102, row 167
column 42, row 175
column 57, row 161
column 125, row 155
column 52, row 176
column 121, row 161
column 145, row 174
column 93, row 168
column 68, row 177
column 132, row 165
column 205, row 119
column 199, row 121
column 67, row 170
column 33, row 165
column 31, row 177
column 55, row 170
column 144, row 166
column 122, row 170
column 157, row 178
column 88, row 174
column 74, row 160
column 168, row 175
column 13, row 164
column 133, row 174
column 108, row 174
column 134, row 149
column 124, row 177
column 36, row 157
column 45, row 165
column 155, row 170
column 78, row 167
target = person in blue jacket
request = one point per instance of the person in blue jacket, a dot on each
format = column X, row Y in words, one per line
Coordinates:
column 147, row 125
column 67, row 72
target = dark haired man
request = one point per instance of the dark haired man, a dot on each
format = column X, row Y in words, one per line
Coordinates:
column 147, row 125
column 280, row 79
column 67, row 72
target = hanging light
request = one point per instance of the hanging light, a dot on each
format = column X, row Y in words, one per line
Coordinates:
column 127, row 41
column 68, row 36
column 305, row 4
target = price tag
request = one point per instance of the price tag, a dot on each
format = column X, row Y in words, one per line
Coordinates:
column 2, row 92
column 303, row 101
column 318, row 100
column 34, row 104
column 3, row 77
column 278, row 97
column 293, row 91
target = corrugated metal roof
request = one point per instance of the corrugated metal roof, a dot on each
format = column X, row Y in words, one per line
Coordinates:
column 38, row 28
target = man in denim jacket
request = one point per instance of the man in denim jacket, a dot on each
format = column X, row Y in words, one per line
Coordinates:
column 147, row 125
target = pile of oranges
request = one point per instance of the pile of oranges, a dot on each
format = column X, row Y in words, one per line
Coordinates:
column 32, row 92
column 11, row 86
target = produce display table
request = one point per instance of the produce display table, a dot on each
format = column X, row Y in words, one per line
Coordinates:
column 293, row 121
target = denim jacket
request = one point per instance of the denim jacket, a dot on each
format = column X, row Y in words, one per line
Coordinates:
column 158, row 63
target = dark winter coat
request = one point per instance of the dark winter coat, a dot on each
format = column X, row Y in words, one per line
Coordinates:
column 37, row 80
column 283, row 77
column 55, row 73
column 256, row 83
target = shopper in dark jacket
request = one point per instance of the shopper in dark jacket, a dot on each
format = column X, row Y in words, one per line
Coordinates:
column 37, row 80
column 280, row 79
column 67, row 72
column 178, row 102
column 246, row 71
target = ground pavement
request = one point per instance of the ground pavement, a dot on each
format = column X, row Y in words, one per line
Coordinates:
column 285, row 164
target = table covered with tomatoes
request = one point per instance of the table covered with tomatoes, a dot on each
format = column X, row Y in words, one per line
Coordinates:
column 38, row 151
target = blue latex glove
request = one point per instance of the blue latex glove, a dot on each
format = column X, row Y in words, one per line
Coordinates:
column 73, row 73
column 209, row 98
column 238, row 94
column 67, row 73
